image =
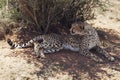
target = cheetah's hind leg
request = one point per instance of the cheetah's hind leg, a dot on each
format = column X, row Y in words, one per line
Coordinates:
column 87, row 53
column 104, row 53
column 39, row 51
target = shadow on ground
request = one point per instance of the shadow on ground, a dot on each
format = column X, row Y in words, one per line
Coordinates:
column 74, row 64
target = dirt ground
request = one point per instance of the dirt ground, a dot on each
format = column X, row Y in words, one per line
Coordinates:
column 21, row 64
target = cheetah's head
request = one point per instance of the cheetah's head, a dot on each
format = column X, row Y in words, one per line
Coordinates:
column 77, row 28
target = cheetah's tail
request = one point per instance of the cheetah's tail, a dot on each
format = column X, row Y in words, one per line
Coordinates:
column 15, row 45
column 24, row 45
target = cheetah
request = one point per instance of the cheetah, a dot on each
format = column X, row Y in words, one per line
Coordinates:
column 91, row 38
column 51, row 43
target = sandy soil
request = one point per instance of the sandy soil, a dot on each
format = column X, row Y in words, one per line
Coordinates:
column 109, row 18
column 20, row 64
column 14, row 68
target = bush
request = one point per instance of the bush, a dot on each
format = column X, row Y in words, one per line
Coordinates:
column 43, row 13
